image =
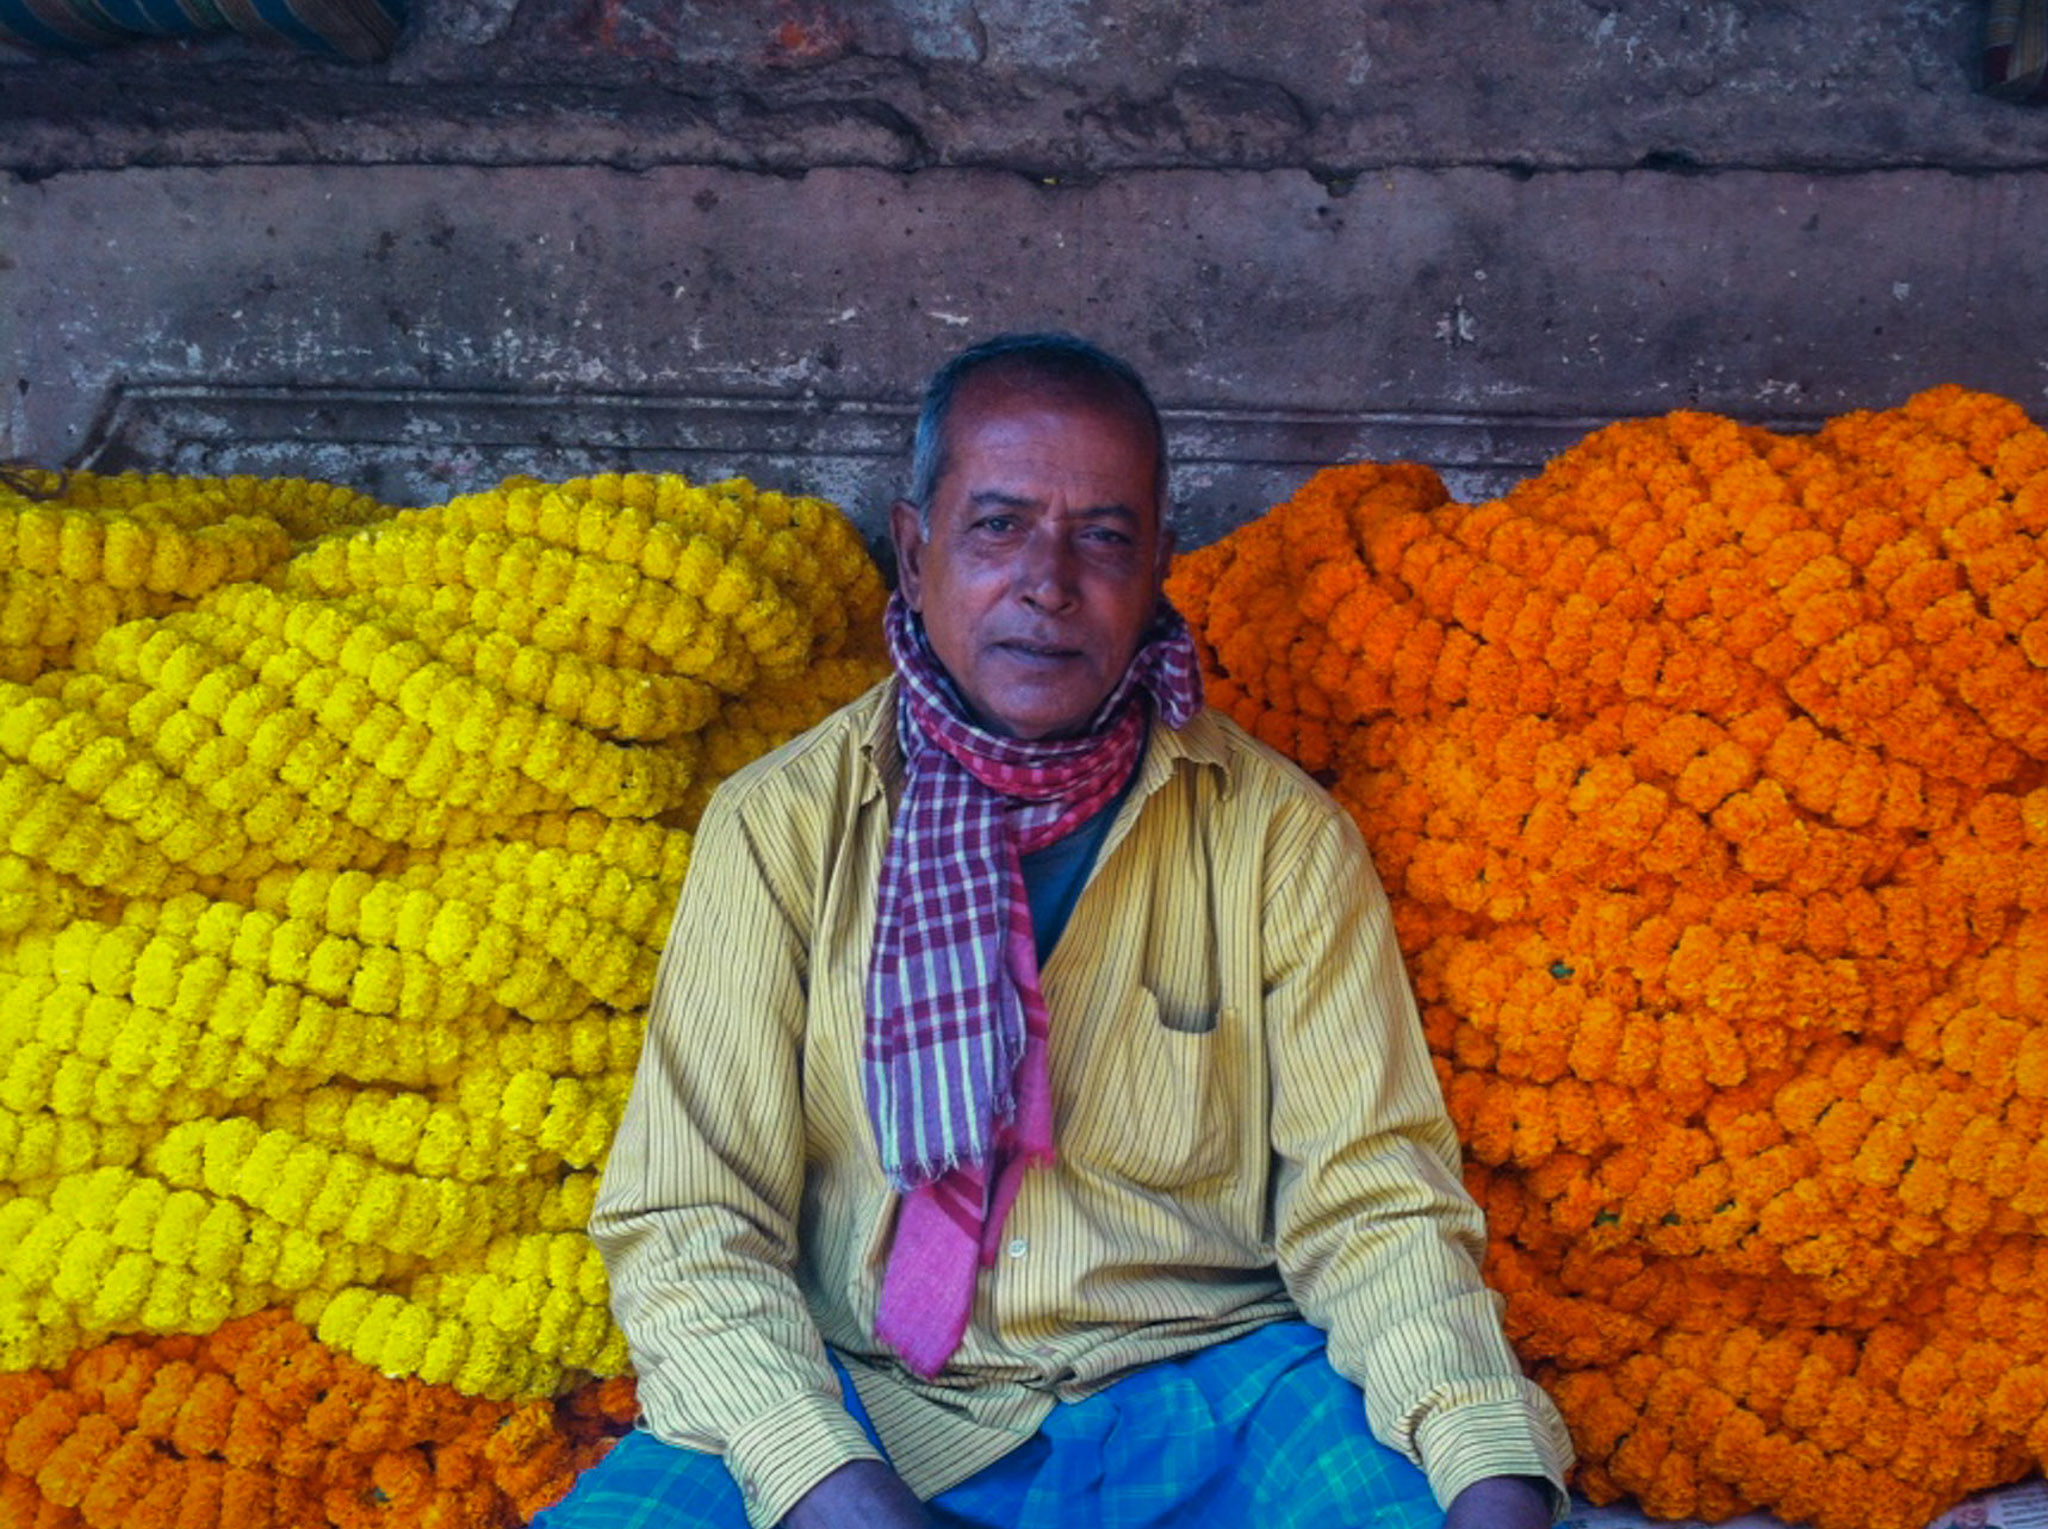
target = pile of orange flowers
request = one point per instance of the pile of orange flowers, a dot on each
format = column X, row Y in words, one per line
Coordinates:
column 1708, row 772
column 257, row 1425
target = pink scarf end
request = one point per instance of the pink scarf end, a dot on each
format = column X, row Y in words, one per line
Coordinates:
column 928, row 1287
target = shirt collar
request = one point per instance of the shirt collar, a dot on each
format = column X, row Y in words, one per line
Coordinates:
column 879, row 745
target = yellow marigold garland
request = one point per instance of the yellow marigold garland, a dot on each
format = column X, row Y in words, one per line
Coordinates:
column 329, row 905
column 1709, row 774
column 80, row 552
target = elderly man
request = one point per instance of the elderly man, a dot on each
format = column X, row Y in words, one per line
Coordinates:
column 1033, row 1126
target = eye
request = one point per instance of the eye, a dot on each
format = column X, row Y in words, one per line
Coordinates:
column 998, row 523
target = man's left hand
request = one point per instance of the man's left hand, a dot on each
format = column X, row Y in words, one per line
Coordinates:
column 1501, row 1502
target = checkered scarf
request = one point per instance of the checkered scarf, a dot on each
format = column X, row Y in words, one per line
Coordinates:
column 956, row 1076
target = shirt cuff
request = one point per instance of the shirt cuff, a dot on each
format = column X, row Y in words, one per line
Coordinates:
column 1467, row 1443
column 782, row 1454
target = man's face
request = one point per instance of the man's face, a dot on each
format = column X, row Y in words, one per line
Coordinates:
column 1043, row 565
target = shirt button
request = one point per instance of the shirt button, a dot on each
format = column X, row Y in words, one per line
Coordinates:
column 1019, row 1247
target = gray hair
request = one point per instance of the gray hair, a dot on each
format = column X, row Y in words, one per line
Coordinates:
column 1054, row 357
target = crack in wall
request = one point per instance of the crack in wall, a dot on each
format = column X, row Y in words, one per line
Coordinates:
column 485, row 107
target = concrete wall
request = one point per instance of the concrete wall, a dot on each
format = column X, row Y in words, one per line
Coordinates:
column 732, row 235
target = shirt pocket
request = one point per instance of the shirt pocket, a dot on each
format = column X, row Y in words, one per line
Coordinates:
column 1154, row 1104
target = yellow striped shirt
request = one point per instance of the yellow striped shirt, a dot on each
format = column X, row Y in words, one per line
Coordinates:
column 1246, row 1119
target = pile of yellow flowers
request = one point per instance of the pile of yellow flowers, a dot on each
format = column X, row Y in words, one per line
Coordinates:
column 337, row 846
column 1708, row 772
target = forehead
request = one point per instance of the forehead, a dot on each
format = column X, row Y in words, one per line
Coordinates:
column 1072, row 438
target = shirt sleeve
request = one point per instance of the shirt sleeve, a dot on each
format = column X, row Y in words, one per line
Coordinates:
column 1375, row 1235
column 697, row 1213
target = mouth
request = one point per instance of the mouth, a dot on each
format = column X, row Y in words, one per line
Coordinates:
column 1025, row 651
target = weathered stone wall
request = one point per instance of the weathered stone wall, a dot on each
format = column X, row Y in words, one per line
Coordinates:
column 731, row 235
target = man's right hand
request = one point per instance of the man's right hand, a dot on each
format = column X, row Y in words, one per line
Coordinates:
column 861, row 1494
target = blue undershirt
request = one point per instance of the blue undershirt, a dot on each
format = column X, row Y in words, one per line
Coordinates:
column 1054, row 875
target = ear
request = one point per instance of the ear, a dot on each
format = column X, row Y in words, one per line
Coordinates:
column 908, row 536
column 1162, row 563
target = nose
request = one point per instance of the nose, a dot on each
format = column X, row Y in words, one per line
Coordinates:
column 1047, row 571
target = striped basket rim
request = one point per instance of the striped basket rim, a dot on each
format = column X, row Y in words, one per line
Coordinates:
column 2016, row 50
column 361, row 31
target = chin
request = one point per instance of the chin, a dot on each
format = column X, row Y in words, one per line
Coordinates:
column 1034, row 722
column 1036, row 729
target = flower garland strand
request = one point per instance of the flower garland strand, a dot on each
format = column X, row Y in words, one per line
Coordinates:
column 259, row 1426
column 81, row 553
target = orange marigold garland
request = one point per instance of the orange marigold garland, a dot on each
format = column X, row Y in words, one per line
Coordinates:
column 259, row 1426
column 1708, row 772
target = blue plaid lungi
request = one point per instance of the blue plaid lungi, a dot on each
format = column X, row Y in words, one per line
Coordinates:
column 1258, row 1431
